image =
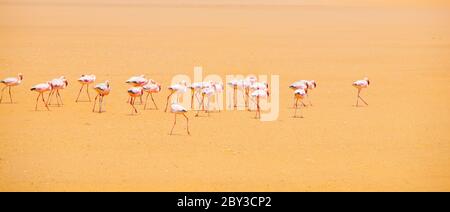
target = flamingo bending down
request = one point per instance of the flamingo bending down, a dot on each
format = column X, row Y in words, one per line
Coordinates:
column 135, row 92
column 206, row 92
column 103, row 90
column 178, row 88
column 179, row 110
column 10, row 82
column 151, row 89
column 301, row 84
column 57, row 84
column 137, row 81
column 299, row 95
column 360, row 84
column 85, row 80
column 259, row 94
column 41, row 89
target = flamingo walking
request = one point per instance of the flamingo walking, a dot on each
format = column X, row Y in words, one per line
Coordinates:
column 177, row 109
column 102, row 90
column 299, row 95
column 135, row 92
column 178, row 88
column 41, row 89
column 259, row 94
column 85, row 80
column 10, row 82
column 151, row 89
column 360, row 84
column 137, row 81
column 301, row 84
column 206, row 92
column 57, row 84
column 196, row 88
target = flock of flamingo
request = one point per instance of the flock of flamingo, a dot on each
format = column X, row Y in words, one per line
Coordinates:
column 201, row 91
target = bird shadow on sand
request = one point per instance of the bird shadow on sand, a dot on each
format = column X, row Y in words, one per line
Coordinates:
column 8, row 103
column 178, row 134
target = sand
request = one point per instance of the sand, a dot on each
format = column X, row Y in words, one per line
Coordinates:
column 400, row 142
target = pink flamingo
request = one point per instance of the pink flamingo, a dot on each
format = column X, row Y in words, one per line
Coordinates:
column 41, row 89
column 360, row 84
column 57, row 84
column 85, row 80
column 178, row 88
column 179, row 110
column 259, row 94
column 103, row 90
column 151, row 88
column 299, row 95
column 135, row 92
column 10, row 82
column 137, row 81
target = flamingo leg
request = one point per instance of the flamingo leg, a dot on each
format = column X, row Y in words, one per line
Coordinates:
column 357, row 97
column 192, row 98
column 235, row 97
column 100, row 104
column 43, row 100
column 95, row 102
column 133, row 100
column 187, row 123
column 363, row 100
column 60, row 98
column 167, row 102
column 2, row 93
column 198, row 111
column 140, row 99
column 49, row 98
column 37, row 100
column 174, row 123
column 296, row 107
column 82, row 85
column 87, row 91
column 153, row 100
column 9, row 90
column 257, row 108
column 146, row 99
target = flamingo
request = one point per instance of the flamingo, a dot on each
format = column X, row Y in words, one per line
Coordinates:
column 10, row 82
column 206, row 92
column 259, row 94
column 135, row 92
column 41, row 89
column 301, row 84
column 218, row 87
column 57, row 84
column 235, row 85
column 360, row 84
column 103, row 90
column 299, row 95
column 178, row 88
column 177, row 109
column 85, row 80
column 151, row 89
column 196, row 88
column 137, row 81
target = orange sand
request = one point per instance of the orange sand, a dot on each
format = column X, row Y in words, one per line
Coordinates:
column 401, row 142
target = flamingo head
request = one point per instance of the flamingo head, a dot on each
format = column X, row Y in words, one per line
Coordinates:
column 314, row 83
column 20, row 76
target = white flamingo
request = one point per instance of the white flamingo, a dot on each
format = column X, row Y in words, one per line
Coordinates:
column 259, row 94
column 41, row 89
column 179, row 88
column 151, row 88
column 135, row 92
column 177, row 109
column 85, row 80
column 57, row 84
column 299, row 95
column 102, row 89
column 10, row 82
column 360, row 84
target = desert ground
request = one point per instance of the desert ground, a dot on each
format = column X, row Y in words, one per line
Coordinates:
column 400, row 142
